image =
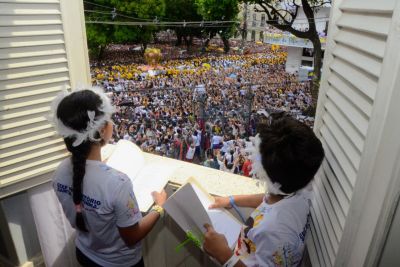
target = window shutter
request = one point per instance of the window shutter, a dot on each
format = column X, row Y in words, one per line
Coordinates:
column 33, row 70
column 352, row 68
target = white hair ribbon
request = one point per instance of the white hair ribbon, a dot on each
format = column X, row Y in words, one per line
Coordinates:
column 93, row 125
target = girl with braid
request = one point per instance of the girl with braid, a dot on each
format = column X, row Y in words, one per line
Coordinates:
column 97, row 200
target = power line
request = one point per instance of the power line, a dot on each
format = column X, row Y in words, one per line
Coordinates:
column 171, row 22
column 296, row 19
column 167, row 23
column 152, row 24
column 91, row 3
column 113, row 8
column 204, row 24
column 194, row 24
column 98, row 12
column 114, row 11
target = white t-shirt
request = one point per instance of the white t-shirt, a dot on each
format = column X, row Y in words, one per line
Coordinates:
column 108, row 202
column 225, row 147
column 216, row 139
column 274, row 234
column 196, row 139
column 229, row 158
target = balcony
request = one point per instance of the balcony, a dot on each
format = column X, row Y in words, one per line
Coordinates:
column 159, row 245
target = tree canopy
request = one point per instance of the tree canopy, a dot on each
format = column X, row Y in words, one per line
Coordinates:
column 105, row 18
column 220, row 10
column 183, row 10
column 100, row 34
column 141, row 10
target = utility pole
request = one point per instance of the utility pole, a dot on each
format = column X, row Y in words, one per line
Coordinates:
column 202, row 100
column 244, row 28
column 249, row 99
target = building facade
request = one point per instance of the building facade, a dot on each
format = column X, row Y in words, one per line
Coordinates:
column 300, row 54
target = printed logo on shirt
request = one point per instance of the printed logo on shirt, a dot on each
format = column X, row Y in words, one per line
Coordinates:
column 91, row 202
column 245, row 247
column 64, row 189
column 87, row 201
column 283, row 256
column 302, row 235
column 258, row 219
column 131, row 205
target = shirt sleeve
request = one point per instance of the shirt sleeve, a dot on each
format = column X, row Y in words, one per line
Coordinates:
column 125, row 206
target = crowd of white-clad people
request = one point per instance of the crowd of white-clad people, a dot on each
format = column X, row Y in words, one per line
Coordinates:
column 202, row 109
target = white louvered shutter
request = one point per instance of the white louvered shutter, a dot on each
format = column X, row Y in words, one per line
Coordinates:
column 33, row 69
column 352, row 68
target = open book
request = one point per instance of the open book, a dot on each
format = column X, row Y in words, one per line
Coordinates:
column 126, row 157
column 189, row 208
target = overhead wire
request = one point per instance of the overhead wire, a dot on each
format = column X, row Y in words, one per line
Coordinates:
column 118, row 12
column 193, row 24
column 137, row 18
column 220, row 24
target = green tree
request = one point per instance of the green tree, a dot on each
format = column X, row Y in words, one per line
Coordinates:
column 183, row 10
column 140, row 10
column 219, row 10
column 282, row 14
column 98, row 35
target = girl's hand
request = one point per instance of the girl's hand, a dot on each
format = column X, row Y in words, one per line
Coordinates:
column 220, row 202
column 159, row 198
column 215, row 245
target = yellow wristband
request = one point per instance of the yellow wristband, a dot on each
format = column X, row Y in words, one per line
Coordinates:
column 159, row 209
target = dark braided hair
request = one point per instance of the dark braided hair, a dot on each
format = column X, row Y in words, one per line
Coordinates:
column 291, row 153
column 73, row 112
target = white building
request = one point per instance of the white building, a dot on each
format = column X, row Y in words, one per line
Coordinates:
column 299, row 50
column 355, row 212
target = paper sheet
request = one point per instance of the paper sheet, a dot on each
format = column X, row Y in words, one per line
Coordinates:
column 146, row 178
column 222, row 222
column 152, row 177
column 189, row 208
column 127, row 158
column 187, row 211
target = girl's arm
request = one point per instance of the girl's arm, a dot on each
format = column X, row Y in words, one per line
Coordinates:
column 133, row 234
column 250, row 201
column 215, row 245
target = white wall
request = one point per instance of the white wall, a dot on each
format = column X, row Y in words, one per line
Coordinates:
column 18, row 215
column 320, row 17
column 293, row 61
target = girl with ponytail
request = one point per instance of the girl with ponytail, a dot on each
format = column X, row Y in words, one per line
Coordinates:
column 97, row 200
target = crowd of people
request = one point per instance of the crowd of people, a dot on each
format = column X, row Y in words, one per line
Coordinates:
column 201, row 109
